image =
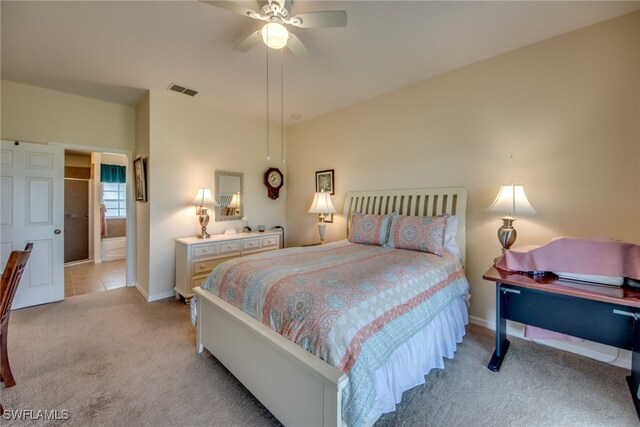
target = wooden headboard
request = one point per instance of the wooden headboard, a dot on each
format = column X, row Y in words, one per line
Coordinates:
column 418, row 202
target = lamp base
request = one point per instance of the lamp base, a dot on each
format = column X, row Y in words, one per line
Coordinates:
column 507, row 234
column 204, row 221
column 203, row 234
column 322, row 227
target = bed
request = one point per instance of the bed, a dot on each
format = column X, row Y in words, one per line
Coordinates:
column 296, row 385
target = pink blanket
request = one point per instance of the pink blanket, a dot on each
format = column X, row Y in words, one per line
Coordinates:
column 603, row 257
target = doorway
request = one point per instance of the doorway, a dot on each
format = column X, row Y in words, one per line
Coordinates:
column 96, row 221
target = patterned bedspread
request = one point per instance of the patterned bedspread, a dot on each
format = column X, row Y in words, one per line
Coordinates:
column 350, row 304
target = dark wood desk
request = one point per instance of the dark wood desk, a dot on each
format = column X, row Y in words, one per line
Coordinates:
column 560, row 306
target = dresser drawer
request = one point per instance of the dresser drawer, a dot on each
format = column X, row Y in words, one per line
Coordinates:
column 205, row 267
column 197, row 281
column 270, row 241
column 229, row 247
column 250, row 244
column 205, row 250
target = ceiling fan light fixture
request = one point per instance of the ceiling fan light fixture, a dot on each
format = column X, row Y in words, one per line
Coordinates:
column 275, row 35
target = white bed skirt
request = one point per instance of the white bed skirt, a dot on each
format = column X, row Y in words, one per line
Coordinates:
column 411, row 362
column 408, row 365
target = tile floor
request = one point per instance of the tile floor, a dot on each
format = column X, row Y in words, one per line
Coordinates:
column 87, row 278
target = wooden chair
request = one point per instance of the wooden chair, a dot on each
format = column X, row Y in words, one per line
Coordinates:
column 10, row 281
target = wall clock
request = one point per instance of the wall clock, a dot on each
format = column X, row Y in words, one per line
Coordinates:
column 273, row 179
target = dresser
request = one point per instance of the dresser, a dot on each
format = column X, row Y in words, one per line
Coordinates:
column 196, row 258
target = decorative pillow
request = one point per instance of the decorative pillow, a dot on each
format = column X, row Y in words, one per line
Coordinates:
column 369, row 229
column 418, row 233
column 450, row 232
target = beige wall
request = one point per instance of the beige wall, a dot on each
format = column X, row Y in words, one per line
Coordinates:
column 559, row 117
column 188, row 143
column 34, row 114
column 113, row 159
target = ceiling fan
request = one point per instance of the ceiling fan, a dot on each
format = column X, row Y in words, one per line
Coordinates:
column 276, row 14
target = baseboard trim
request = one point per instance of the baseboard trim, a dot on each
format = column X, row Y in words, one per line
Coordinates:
column 153, row 298
column 161, row 296
column 599, row 352
column 141, row 290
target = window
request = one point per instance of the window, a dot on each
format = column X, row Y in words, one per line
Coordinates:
column 114, row 199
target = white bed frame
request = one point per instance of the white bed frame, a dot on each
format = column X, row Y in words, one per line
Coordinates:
column 297, row 387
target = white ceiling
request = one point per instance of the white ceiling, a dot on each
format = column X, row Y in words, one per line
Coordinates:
column 115, row 51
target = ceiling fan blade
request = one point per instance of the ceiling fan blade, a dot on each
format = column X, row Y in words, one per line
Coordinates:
column 249, row 43
column 327, row 18
column 233, row 7
column 298, row 48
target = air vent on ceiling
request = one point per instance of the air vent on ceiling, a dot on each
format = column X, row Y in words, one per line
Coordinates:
column 177, row 88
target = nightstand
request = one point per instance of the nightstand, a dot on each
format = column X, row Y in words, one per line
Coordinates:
column 196, row 258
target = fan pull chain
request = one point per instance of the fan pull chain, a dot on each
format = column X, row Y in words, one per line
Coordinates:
column 268, row 151
column 281, row 108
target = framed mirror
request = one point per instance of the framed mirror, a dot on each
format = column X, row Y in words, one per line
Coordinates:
column 229, row 195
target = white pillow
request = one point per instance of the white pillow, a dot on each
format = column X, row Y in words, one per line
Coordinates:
column 450, row 231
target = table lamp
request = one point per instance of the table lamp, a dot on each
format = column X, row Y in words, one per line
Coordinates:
column 203, row 199
column 234, row 205
column 322, row 205
column 511, row 200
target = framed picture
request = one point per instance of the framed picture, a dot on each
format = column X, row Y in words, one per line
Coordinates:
column 140, row 180
column 324, row 182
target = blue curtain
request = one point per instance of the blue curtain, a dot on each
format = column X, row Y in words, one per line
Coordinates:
column 113, row 173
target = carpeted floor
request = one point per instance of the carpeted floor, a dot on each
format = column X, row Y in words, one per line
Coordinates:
column 112, row 359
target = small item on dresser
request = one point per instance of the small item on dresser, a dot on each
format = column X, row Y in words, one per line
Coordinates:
column 261, row 228
column 535, row 273
column 229, row 231
column 247, row 229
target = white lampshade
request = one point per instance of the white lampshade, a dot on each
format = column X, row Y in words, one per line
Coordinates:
column 322, row 204
column 275, row 35
column 204, row 198
column 511, row 200
column 235, row 201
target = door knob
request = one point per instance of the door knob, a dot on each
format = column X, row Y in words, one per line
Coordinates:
column 57, row 231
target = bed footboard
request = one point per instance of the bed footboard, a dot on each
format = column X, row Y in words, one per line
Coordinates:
column 297, row 387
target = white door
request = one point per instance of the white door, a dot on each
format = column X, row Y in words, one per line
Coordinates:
column 31, row 197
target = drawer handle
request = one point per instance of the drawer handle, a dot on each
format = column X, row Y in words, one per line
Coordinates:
column 204, row 251
column 626, row 313
column 513, row 291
